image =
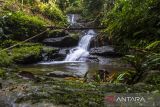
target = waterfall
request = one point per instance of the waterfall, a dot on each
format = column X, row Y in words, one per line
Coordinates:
column 71, row 19
column 80, row 53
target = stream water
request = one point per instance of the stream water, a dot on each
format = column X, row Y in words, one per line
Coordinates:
column 80, row 53
column 75, row 61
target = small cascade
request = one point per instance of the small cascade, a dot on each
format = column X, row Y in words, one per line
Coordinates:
column 71, row 19
column 80, row 53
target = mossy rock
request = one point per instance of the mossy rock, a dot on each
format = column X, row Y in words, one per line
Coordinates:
column 26, row 55
column 22, row 26
column 56, row 33
column 5, row 59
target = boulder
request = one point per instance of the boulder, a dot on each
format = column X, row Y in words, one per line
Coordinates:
column 48, row 53
column 106, row 51
column 66, row 41
column 93, row 59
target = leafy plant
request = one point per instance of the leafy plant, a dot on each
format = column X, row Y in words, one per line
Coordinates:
column 133, row 22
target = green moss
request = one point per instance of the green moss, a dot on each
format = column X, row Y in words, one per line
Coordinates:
column 75, row 36
column 22, row 26
column 2, row 73
column 10, row 42
column 52, row 12
column 5, row 59
column 26, row 54
column 55, row 33
column 49, row 50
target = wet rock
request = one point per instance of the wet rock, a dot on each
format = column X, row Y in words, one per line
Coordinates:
column 104, row 51
column 48, row 53
column 57, row 57
column 66, row 41
column 57, row 33
column 64, row 51
column 61, row 74
column 27, row 75
column 93, row 59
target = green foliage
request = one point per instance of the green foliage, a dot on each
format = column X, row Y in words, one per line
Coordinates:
column 155, row 46
column 22, row 26
column 2, row 73
column 74, row 10
column 143, row 62
column 5, row 59
column 66, row 4
column 50, row 11
column 153, row 61
column 133, row 22
column 30, row 2
column 123, row 77
column 93, row 7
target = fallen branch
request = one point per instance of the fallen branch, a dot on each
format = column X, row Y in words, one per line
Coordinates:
column 80, row 28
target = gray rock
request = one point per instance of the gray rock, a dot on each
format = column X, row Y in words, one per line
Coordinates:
column 106, row 51
column 66, row 41
column 93, row 59
column 48, row 53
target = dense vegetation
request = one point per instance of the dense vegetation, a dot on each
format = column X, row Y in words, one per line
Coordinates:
column 133, row 26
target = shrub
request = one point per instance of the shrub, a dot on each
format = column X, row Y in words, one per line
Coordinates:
column 50, row 11
column 133, row 22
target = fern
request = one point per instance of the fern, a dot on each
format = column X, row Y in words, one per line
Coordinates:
column 153, row 45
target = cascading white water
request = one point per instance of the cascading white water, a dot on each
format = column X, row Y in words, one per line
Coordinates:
column 80, row 53
column 71, row 19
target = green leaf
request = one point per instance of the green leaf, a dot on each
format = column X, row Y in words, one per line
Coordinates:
column 153, row 45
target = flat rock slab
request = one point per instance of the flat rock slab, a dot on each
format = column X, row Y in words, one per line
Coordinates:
column 61, row 74
column 66, row 41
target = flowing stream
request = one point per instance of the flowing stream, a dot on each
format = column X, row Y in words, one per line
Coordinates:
column 71, row 19
column 80, row 53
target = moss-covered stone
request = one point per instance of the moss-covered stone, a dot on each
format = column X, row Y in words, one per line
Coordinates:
column 23, row 55
column 22, row 26
column 5, row 59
